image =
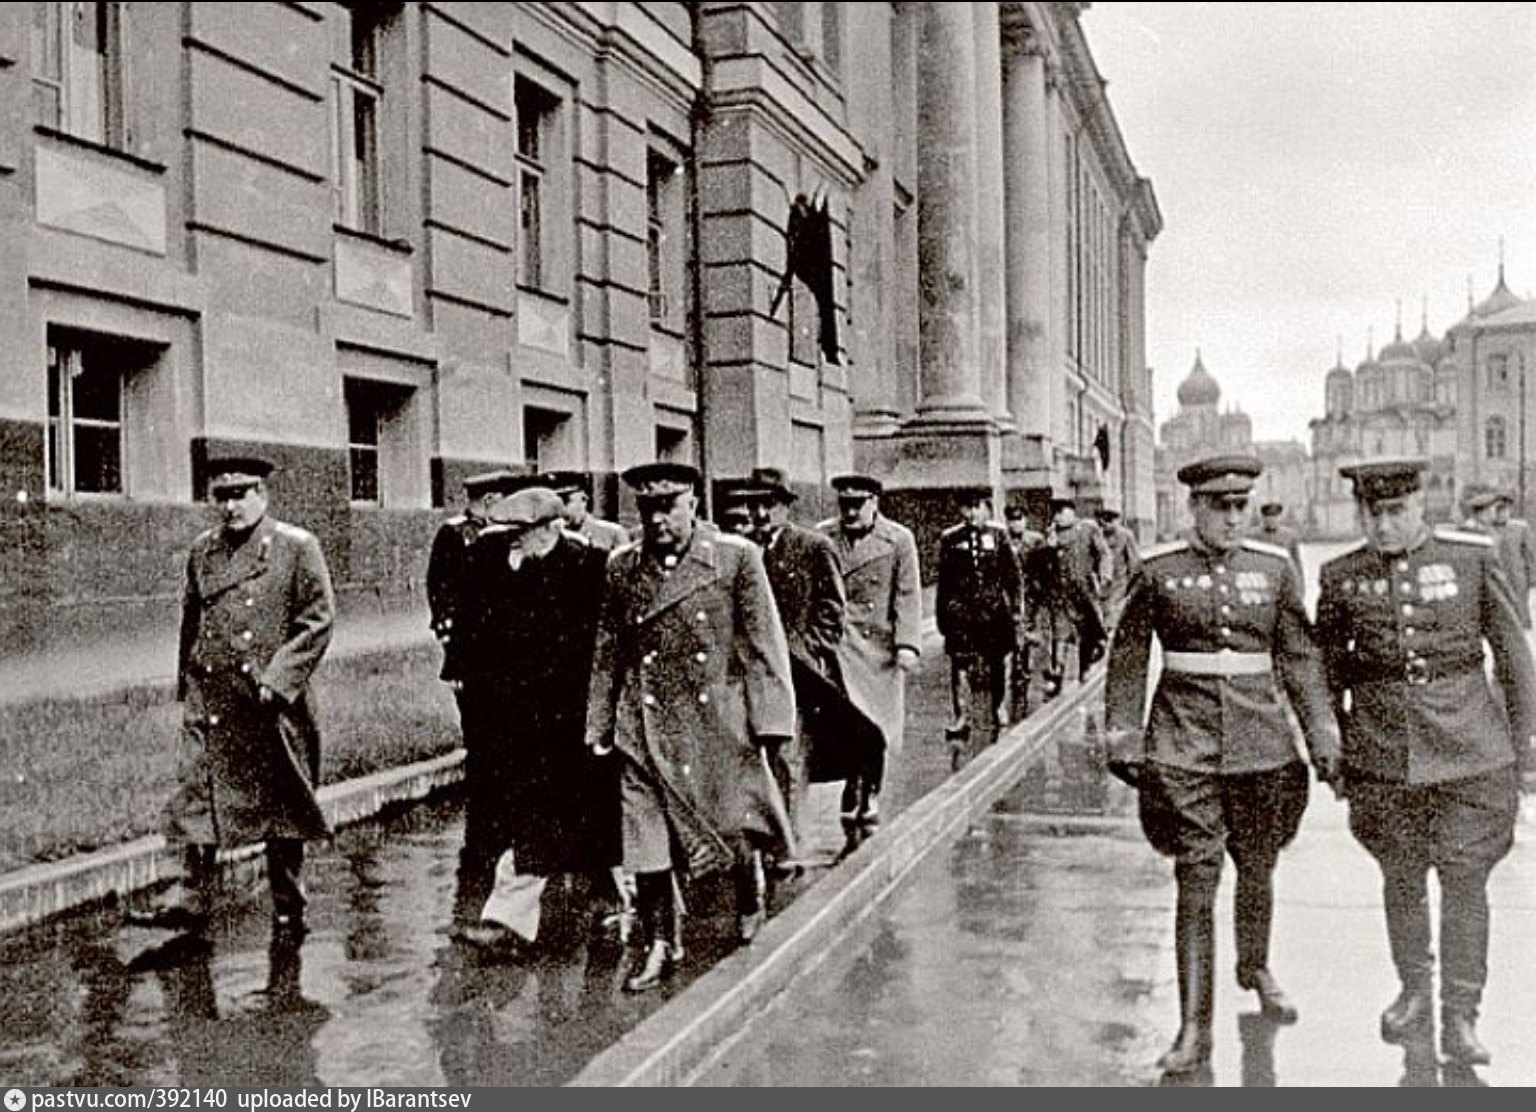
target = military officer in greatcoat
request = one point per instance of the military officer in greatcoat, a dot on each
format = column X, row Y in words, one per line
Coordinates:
column 450, row 556
column 690, row 686
column 1216, row 764
column 882, row 627
column 1434, row 740
column 257, row 614
column 977, row 605
column 575, row 487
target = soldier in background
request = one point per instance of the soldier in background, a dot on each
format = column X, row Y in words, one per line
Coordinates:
column 1434, row 742
column 1034, row 583
column 450, row 556
column 1216, row 765
column 1272, row 530
column 977, row 604
column 1517, row 550
column 1082, row 569
column 575, row 489
column 882, row 628
column 1125, row 561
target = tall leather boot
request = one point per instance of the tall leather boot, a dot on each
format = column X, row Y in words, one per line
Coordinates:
column 1410, row 1018
column 658, row 926
column 1195, row 950
column 1253, row 912
column 1463, row 963
column 751, row 891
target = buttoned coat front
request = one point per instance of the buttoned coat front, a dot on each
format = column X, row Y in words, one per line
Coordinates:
column 1207, row 601
column 691, row 671
column 884, row 613
column 256, row 612
column 1404, row 636
column 978, row 597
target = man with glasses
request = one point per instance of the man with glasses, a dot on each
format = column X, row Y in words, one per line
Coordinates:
column 551, row 810
column 1216, row 764
column 1434, row 740
column 257, row 614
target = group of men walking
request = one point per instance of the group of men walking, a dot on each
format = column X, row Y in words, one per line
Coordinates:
column 1414, row 691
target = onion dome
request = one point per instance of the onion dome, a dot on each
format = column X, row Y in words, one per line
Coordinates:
column 1200, row 387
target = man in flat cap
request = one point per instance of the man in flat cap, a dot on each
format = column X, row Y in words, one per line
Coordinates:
column 575, row 488
column 977, row 605
column 257, row 613
column 542, row 806
column 1216, row 763
column 690, row 684
column 882, row 628
column 1434, row 744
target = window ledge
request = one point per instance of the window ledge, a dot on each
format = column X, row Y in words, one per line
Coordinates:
column 66, row 139
column 397, row 245
column 544, row 295
column 664, row 328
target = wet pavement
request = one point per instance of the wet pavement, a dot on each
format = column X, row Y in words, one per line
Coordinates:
column 1037, row 949
column 377, row 993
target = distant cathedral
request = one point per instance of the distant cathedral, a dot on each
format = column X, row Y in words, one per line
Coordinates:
column 1199, row 429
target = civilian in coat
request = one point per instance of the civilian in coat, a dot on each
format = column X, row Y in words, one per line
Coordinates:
column 690, row 685
column 257, row 612
column 1083, row 569
column 977, row 602
column 1124, row 563
column 882, row 626
column 533, row 596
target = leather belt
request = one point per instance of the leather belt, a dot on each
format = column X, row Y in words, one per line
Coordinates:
column 1225, row 662
column 1418, row 671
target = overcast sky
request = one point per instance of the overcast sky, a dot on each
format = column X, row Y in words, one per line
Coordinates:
column 1315, row 163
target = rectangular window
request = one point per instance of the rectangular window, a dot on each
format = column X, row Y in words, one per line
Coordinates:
column 1498, row 372
column 363, row 419
column 85, row 417
column 543, row 433
column 673, row 445
column 358, row 93
column 664, row 213
column 77, row 69
column 536, row 111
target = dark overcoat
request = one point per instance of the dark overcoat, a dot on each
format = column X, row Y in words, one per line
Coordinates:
column 256, row 611
column 691, row 671
column 527, row 660
column 447, row 565
column 979, row 589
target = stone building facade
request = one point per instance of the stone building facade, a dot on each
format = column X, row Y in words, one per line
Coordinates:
column 390, row 244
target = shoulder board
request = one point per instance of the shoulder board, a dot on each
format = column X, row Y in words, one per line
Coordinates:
column 1357, row 547
column 1268, row 549
column 828, row 525
column 457, row 520
column 952, row 530
column 292, row 532
column 1461, row 536
column 1168, row 548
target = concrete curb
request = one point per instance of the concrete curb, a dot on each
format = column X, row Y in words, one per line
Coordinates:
column 675, row 1042
column 31, row 895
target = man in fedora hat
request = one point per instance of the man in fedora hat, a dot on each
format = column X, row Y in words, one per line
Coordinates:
column 1434, row 741
column 690, row 685
column 1216, row 765
column 257, row 615
column 882, row 629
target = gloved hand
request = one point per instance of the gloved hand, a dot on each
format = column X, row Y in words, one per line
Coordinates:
column 906, row 658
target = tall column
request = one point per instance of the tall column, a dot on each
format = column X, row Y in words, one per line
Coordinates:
column 990, row 220
column 1027, row 179
column 947, row 223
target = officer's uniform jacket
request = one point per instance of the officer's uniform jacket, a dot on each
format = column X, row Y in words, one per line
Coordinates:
column 255, row 614
column 1403, row 637
column 885, row 613
column 690, row 671
column 978, row 594
column 446, row 567
column 1215, row 604
column 604, row 535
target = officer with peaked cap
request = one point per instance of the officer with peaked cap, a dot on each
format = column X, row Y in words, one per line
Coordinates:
column 449, row 557
column 1272, row 530
column 882, row 628
column 1216, row 764
column 257, row 616
column 1433, row 741
column 575, row 489
column 690, row 684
